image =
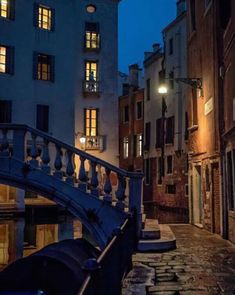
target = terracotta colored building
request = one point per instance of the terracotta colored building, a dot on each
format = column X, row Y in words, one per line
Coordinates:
column 228, row 72
column 131, row 123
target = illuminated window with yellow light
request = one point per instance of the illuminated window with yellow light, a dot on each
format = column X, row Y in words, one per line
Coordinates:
column 3, row 59
column 4, row 8
column 92, row 37
column 44, row 67
column 91, row 70
column 91, row 119
column 44, row 18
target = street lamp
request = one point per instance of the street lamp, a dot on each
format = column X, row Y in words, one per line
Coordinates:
column 163, row 90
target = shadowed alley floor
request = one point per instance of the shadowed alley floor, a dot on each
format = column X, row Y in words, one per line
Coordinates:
column 202, row 264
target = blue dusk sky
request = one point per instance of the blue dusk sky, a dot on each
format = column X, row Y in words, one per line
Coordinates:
column 140, row 25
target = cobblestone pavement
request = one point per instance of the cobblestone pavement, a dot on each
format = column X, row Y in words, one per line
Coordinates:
column 202, row 264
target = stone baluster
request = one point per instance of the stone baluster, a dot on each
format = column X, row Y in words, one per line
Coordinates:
column 70, row 168
column 94, row 179
column 45, row 157
column 120, row 193
column 4, row 146
column 82, row 175
column 58, row 163
column 107, row 186
column 33, row 151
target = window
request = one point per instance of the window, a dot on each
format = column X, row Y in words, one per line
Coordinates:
column 194, row 115
column 91, row 76
column 125, row 147
column 171, row 46
column 159, row 133
column 7, row 59
column 186, row 133
column 92, row 37
column 148, row 89
column 231, row 179
column 170, row 130
column 44, row 17
column 147, row 171
column 160, row 170
column 147, row 135
column 126, row 114
column 169, row 162
column 5, row 111
column 91, row 8
column 171, row 80
column 7, row 8
column 193, row 14
column 44, row 67
column 91, row 122
column 171, row 189
column 186, row 190
column 139, row 110
column 139, row 145
column 42, row 117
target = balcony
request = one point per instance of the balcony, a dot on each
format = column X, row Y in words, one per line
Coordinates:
column 91, row 88
column 94, row 143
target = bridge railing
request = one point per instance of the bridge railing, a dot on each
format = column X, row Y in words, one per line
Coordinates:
column 103, row 180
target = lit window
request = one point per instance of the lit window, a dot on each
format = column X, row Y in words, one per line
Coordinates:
column 91, row 8
column 91, row 84
column 3, row 59
column 125, row 147
column 139, row 145
column 91, row 122
column 4, row 8
column 45, row 67
column 92, row 36
column 44, row 18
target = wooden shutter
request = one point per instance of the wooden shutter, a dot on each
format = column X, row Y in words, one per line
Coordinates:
column 11, row 10
column 52, row 65
column 10, row 56
column 52, row 19
column 35, row 14
column 5, row 111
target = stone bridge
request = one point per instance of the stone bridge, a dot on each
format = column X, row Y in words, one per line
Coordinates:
column 34, row 161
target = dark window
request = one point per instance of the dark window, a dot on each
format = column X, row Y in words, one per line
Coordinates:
column 5, row 111
column 171, row 189
column 186, row 190
column 126, row 114
column 30, row 235
column 148, row 89
column 147, row 171
column 230, row 179
column 160, row 169
column 7, row 9
column 91, row 122
column 170, row 130
column 147, row 135
column 7, row 59
column 92, row 36
column 207, row 179
column 161, row 76
column 42, row 117
column 44, row 67
column 225, row 13
column 194, row 107
column 171, row 46
column 193, row 14
column 186, row 133
column 159, row 133
column 44, row 17
column 169, row 164
column 139, row 110
column 171, row 80
column 125, row 88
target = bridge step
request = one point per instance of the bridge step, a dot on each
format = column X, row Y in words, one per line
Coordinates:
column 165, row 243
column 151, row 230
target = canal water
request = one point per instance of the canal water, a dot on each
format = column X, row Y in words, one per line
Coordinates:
column 20, row 237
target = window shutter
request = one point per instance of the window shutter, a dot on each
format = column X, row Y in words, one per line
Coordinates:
column 35, row 65
column 52, row 63
column 135, row 138
column 10, row 60
column 52, row 19
column 35, row 14
column 5, row 111
column 11, row 11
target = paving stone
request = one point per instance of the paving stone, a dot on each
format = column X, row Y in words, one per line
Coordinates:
column 165, row 287
column 166, row 277
column 162, row 269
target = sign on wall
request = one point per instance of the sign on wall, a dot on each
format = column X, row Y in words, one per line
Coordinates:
column 209, row 105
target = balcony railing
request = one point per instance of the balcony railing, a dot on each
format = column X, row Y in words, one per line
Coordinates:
column 94, row 143
column 91, row 87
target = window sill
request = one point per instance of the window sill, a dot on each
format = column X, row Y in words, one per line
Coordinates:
column 193, row 128
column 44, row 30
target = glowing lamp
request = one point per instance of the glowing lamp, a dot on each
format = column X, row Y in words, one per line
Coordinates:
column 162, row 89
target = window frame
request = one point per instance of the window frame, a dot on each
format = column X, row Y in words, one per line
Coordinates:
column 39, row 70
column 39, row 20
column 9, row 59
column 91, row 127
column 168, row 171
column 125, row 145
column 125, row 114
column 89, row 34
column 139, row 103
column 9, row 11
column 5, row 114
column 139, row 145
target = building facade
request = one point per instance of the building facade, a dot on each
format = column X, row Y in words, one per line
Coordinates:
column 131, row 123
column 166, row 181
column 58, row 70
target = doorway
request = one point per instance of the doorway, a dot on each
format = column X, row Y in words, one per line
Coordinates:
column 197, row 196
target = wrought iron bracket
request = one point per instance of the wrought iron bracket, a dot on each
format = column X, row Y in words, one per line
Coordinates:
column 195, row 83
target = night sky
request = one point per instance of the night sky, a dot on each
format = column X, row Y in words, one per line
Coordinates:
column 140, row 25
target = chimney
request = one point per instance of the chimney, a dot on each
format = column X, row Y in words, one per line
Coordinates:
column 156, row 47
column 181, row 7
column 134, row 75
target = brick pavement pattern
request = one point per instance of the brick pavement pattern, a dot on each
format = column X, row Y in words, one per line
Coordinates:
column 202, row 264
